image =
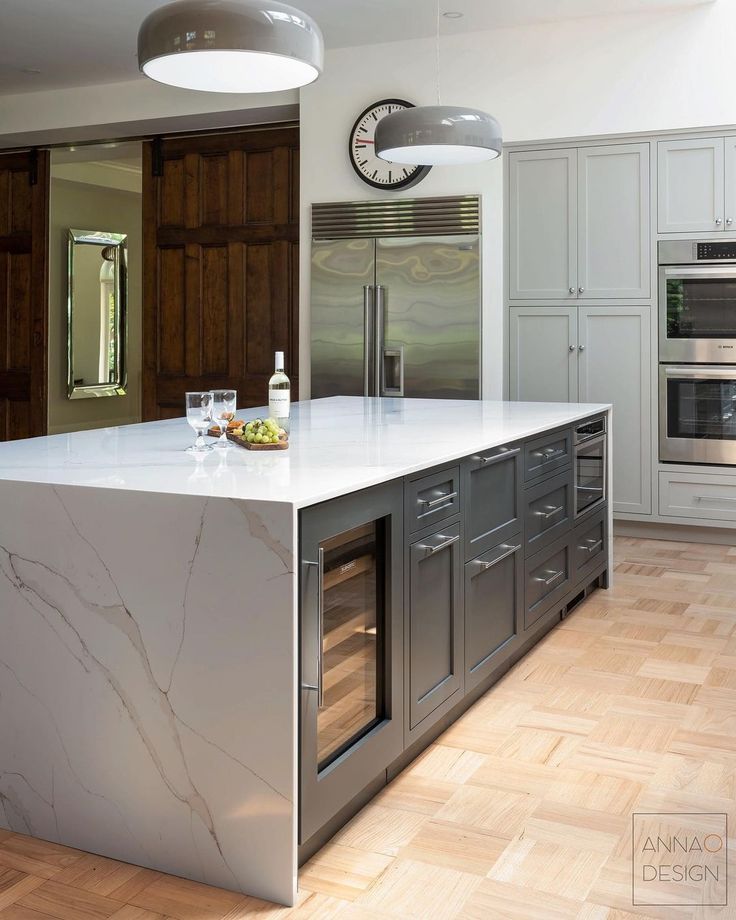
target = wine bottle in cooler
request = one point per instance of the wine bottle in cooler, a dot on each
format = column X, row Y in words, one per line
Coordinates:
column 279, row 394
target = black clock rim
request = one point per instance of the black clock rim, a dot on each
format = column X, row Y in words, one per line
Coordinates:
column 419, row 171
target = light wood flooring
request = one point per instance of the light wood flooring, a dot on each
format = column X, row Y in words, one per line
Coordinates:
column 522, row 810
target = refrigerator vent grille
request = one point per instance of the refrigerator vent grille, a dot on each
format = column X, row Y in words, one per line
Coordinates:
column 401, row 217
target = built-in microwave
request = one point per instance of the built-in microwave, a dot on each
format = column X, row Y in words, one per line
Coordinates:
column 590, row 468
column 697, row 301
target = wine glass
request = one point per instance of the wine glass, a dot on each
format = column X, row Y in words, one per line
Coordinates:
column 199, row 416
column 223, row 412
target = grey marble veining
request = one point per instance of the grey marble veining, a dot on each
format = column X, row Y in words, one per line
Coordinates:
column 147, row 680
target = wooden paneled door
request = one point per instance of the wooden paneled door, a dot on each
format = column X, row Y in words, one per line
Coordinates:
column 24, row 187
column 221, row 236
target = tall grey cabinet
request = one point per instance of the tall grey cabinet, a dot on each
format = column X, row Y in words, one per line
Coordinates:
column 579, row 293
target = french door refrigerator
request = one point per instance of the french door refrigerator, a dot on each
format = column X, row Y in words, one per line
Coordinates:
column 396, row 298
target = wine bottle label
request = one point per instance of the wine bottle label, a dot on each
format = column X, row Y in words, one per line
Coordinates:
column 278, row 403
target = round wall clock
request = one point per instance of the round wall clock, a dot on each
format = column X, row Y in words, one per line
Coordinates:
column 373, row 170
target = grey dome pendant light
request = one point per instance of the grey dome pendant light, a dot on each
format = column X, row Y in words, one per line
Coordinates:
column 438, row 135
column 230, row 46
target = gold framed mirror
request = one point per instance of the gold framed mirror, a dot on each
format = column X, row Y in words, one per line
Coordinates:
column 97, row 322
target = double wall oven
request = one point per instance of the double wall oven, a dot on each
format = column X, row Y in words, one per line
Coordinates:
column 697, row 351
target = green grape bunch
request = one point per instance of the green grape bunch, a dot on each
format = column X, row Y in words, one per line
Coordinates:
column 263, row 431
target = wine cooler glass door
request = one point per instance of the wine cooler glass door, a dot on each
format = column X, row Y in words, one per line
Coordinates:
column 351, row 723
column 352, row 639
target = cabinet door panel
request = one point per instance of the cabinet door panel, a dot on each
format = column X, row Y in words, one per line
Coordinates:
column 542, row 221
column 492, row 498
column 435, row 639
column 542, row 360
column 613, row 221
column 690, row 189
column 729, row 214
column 493, row 594
column 615, row 368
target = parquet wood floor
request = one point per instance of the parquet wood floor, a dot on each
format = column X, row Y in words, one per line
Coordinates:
column 521, row 810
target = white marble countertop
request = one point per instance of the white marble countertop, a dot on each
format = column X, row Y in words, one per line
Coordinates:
column 338, row 445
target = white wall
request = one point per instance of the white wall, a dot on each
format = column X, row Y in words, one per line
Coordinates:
column 590, row 76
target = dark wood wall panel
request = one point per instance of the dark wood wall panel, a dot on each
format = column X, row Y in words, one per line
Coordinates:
column 24, row 182
column 221, row 236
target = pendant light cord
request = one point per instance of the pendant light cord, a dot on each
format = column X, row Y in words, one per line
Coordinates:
column 437, row 53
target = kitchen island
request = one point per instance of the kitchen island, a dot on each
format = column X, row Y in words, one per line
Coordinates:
column 154, row 694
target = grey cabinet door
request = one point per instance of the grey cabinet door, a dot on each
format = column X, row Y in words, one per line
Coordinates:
column 542, row 225
column 491, row 484
column 493, row 598
column 614, row 252
column 543, row 363
column 615, row 368
column 729, row 158
column 435, row 622
column 690, row 185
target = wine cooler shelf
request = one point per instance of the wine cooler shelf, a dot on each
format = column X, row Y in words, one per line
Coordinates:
column 415, row 596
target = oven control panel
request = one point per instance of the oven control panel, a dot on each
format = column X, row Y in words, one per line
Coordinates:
column 717, row 250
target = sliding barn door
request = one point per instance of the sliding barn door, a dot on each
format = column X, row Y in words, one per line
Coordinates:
column 24, row 184
column 221, row 231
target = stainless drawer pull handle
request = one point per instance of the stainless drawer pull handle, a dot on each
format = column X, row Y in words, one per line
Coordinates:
column 594, row 545
column 448, row 541
column 551, row 512
column 504, row 453
column 550, row 453
column 713, row 498
column 433, row 502
column 484, row 566
column 552, row 577
column 320, row 627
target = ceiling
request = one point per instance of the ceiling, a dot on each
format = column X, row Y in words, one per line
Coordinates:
column 48, row 44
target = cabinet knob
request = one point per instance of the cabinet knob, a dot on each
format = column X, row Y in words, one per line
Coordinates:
column 581, row 290
column 729, row 221
column 571, row 290
column 719, row 221
column 581, row 347
column 572, row 348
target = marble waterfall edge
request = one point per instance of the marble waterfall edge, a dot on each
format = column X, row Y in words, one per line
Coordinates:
column 147, row 680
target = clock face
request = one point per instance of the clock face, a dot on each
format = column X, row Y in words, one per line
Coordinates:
column 373, row 170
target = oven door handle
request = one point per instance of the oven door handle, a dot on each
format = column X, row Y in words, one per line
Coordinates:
column 701, row 271
column 700, row 371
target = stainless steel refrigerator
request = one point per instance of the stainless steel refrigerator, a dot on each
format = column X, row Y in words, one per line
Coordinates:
column 395, row 304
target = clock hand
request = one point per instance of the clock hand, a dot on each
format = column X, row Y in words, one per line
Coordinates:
column 364, row 141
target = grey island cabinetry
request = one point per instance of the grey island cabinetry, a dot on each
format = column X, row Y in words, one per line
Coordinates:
column 207, row 666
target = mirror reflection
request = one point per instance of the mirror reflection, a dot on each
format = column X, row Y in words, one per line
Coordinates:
column 97, row 273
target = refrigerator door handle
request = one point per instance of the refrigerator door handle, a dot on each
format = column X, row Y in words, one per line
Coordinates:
column 368, row 351
column 379, row 315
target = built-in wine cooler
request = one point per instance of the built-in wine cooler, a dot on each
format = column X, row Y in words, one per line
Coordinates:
column 351, row 645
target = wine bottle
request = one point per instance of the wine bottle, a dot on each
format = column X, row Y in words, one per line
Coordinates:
column 279, row 394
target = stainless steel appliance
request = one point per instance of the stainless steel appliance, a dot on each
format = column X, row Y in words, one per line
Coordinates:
column 396, row 298
column 697, row 301
column 351, row 715
column 590, row 467
column 697, row 413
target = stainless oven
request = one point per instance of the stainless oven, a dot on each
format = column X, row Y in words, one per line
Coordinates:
column 697, row 301
column 697, row 413
column 590, row 467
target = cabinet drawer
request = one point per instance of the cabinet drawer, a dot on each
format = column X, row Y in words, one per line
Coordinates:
column 590, row 545
column 548, row 511
column 547, row 578
column 547, row 455
column 493, row 596
column 492, row 497
column 432, row 498
column 696, row 495
column 435, row 622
